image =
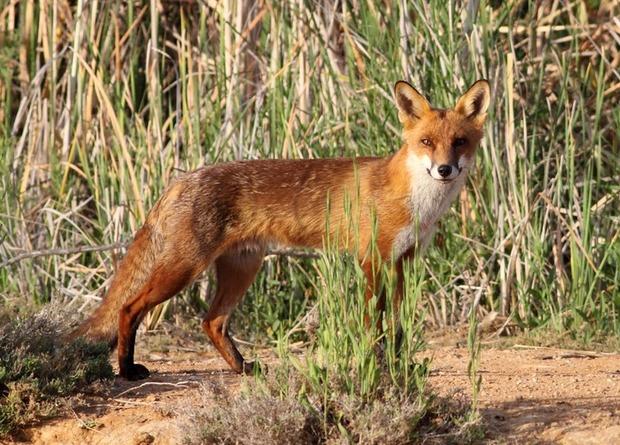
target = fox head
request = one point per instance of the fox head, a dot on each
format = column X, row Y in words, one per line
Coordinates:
column 442, row 142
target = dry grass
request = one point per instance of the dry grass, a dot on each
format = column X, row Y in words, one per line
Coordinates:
column 105, row 102
column 270, row 411
column 38, row 368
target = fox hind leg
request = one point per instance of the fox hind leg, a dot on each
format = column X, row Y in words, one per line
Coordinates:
column 235, row 272
column 163, row 284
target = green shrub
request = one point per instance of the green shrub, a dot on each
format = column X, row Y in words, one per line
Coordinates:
column 354, row 384
column 38, row 366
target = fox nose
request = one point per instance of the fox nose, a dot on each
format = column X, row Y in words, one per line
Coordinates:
column 444, row 170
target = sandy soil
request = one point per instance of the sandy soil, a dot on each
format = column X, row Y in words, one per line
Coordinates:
column 528, row 395
column 539, row 395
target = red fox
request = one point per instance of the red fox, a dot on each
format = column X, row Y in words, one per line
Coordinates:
column 227, row 214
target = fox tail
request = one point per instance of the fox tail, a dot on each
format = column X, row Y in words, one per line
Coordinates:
column 132, row 274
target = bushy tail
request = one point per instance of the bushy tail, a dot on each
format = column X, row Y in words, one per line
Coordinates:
column 133, row 272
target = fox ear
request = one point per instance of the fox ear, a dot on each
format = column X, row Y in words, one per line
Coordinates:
column 475, row 102
column 411, row 104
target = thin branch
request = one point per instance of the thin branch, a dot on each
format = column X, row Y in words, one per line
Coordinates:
column 296, row 253
column 60, row 251
column 291, row 252
column 182, row 384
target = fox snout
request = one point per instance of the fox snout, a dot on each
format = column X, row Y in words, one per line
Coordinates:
column 444, row 172
column 447, row 171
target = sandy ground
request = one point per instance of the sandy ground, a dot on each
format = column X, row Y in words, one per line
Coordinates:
column 539, row 395
column 528, row 396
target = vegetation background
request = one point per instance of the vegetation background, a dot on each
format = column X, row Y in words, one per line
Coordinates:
column 104, row 102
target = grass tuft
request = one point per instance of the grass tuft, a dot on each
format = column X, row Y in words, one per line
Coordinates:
column 279, row 409
column 354, row 384
column 257, row 415
column 38, row 367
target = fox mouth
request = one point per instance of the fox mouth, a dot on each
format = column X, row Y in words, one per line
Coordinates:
column 444, row 180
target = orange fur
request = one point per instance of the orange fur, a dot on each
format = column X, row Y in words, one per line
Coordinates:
column 227, row 214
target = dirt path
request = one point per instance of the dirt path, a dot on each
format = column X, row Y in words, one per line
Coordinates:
column 139, row 413
column 541, row 395
column 528, row 396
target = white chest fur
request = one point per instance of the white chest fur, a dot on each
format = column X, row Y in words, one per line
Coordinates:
column 429, row 200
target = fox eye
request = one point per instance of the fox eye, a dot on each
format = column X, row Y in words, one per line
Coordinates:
column 458, row 142
column 426, row 142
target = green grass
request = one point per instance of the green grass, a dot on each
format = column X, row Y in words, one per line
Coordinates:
column 89, row 139
column 38, row 369
column 352, row 384
column 90, row 142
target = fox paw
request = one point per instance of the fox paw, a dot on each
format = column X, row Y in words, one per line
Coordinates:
column 135, row 371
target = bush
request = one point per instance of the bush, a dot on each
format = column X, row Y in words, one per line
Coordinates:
column 280, row 409
column 38, row 367
column 353, row 385
column 257, row 415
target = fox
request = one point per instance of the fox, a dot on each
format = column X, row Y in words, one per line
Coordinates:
column 227, row 215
